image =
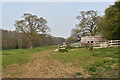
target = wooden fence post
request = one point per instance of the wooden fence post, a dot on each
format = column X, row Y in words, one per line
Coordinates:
column 58, row 48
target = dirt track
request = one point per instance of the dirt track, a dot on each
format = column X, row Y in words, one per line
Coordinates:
column 40, row 67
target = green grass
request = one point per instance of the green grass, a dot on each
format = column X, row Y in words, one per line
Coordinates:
column 105, row 63
column 106, row 52
column 21, row 56
column 78, row 73
column 80, row 57
column 104, row 66
column 101, row 63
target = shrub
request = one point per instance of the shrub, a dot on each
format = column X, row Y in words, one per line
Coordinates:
column 78, row 73
column 63, row 50
column 92, row 69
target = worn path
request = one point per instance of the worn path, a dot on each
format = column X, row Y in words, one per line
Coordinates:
column 41, row 67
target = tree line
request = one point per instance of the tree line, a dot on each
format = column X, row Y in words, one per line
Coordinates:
column 92, row 24
column 15, row 40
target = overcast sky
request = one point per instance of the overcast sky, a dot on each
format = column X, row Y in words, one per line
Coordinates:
column 60, row 15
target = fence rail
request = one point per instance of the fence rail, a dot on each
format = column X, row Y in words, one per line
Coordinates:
column 114, row 42
column 62, row 47
column 108, row 43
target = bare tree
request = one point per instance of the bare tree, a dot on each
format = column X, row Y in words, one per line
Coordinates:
column 31, row 25
column 88, row 22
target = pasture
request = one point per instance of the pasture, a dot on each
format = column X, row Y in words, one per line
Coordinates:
column 44, row 62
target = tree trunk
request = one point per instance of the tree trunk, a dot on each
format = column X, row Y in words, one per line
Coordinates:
column 30, row 42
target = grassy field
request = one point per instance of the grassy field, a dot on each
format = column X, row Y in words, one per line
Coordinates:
column 101, row 63
column 20, row 56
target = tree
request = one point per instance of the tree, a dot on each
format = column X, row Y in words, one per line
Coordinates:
column 76, row 34
column 31, row 25
column 88, row 22
column 88, row 25
column 110, row 23
column 70, row 40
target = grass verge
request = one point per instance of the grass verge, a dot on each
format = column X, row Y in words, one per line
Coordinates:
column 20, row 56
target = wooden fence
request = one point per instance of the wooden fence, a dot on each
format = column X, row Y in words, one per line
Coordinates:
column 64, row 46
column 114, row 42
column 107, row 43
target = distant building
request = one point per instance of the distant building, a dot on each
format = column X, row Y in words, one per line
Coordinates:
column 98, row 40
column 92, row 39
